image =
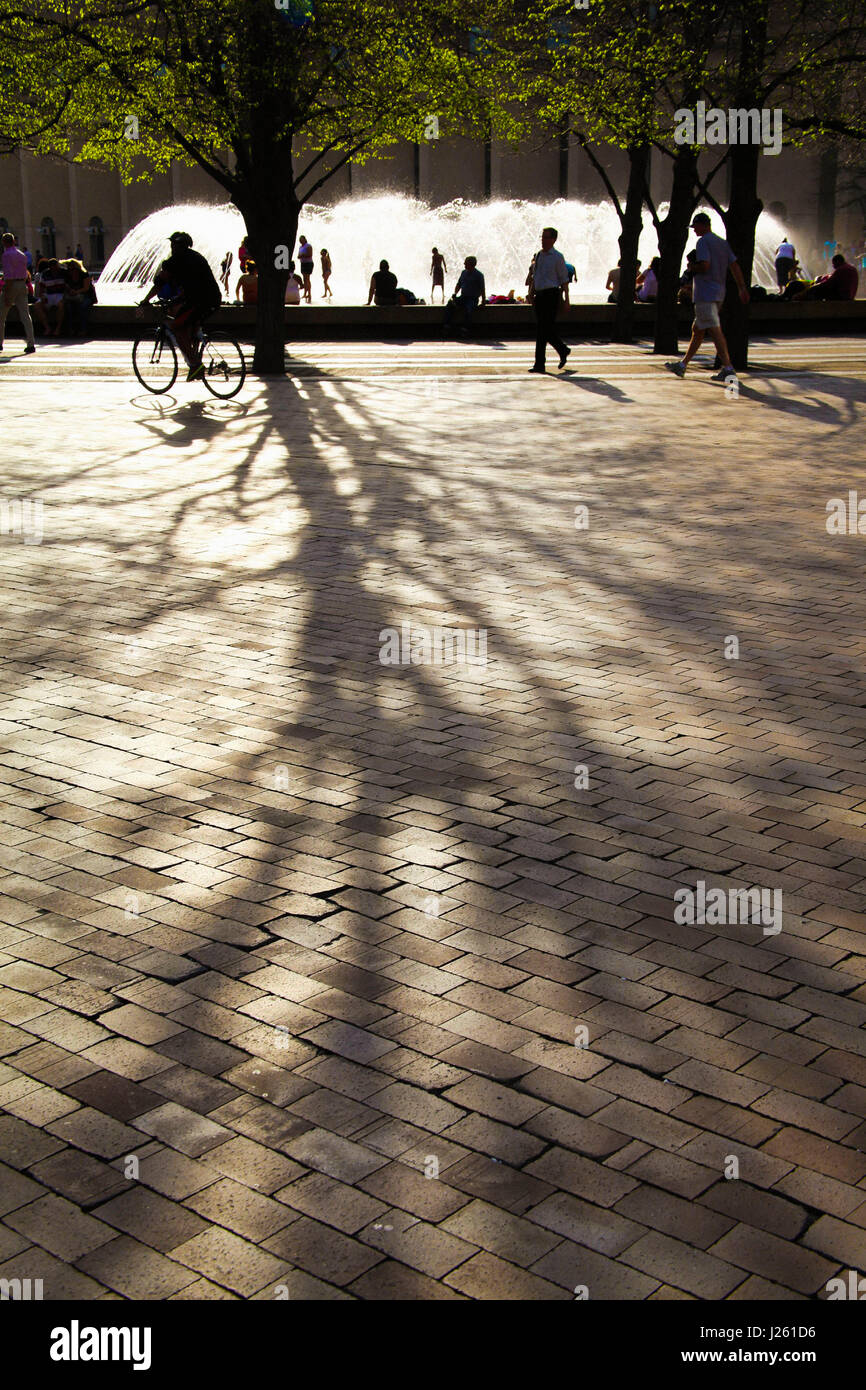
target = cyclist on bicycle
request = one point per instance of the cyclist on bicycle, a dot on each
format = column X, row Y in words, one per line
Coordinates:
column 198, row 296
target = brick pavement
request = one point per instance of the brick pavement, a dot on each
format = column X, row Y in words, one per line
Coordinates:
column 296, row 947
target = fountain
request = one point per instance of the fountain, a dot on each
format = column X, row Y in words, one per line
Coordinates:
column 359, row 232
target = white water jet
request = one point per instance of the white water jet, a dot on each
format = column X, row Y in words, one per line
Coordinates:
column 359, row 232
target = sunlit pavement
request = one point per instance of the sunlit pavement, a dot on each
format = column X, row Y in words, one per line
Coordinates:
column 338, row 978
column 451, row 356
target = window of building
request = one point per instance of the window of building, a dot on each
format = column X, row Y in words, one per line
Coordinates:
column 49, row 240
column 96, row 232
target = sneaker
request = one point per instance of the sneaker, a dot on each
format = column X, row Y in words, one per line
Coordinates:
column 677, row 368
column 564, row 358
column 724, row 375
column 31, row 348
column 195, row 373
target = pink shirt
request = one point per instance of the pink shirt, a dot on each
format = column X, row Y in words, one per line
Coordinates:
column 13, row 264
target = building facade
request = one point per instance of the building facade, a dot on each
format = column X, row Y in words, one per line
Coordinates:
column 55, row 206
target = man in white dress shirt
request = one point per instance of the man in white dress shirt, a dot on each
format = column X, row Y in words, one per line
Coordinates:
column 548, row 290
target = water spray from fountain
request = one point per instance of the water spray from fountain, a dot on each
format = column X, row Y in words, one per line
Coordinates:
column 359, row 232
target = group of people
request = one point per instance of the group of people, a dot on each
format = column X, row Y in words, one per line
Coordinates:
column 298, row 287
column 186, row 285
column 646, row 285
column 839, row 283
column 60, row 293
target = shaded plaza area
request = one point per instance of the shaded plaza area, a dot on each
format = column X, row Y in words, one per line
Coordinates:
column 333, row 978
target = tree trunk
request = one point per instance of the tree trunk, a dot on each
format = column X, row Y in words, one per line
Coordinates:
column 271, row 219
column 673, row 236
column 632, row 222
column 741, row 221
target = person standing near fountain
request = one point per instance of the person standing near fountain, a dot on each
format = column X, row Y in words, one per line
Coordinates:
column 548, row 289
column 437, row 271
column 225, row 271
column 14, row 293
column 326, row 274
column 305, row 256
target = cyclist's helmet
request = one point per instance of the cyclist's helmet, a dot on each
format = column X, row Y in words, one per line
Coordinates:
column 180, row 241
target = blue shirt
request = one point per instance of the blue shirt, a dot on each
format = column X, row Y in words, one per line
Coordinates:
column 550, row 270
column 471, row 284
column 710, row 287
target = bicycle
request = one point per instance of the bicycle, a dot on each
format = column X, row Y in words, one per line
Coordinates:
column 155, row 361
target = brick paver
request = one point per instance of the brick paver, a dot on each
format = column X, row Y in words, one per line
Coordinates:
column 355, row 980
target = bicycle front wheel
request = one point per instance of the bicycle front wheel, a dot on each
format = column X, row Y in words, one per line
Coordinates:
column 225, row 370
column 154, row 361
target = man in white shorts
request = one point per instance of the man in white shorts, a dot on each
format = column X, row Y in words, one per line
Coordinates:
column 714, row 259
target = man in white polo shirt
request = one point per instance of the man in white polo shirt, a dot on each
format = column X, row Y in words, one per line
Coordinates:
column 714, row 259
column 14, row 294
column 549, row 289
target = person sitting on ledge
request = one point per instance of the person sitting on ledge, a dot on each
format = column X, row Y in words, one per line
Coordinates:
column 383, row 286
column 841, row 285
column 294, row 286
column 647, row 286
column 797, row 281
column 684, row 293
column 80, row 296
column 247, row 290
column 613, row 277
column 468, row 292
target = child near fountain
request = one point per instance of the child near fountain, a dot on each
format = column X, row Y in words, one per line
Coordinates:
column 326, row 274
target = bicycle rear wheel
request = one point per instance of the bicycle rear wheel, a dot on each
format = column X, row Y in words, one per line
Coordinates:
column 225, row 370
column 154, row 361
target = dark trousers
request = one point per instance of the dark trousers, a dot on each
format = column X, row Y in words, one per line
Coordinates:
column 547, row 304
column 465, row 305
column 784, row 265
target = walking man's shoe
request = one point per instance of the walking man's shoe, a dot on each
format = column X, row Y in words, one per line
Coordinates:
column 31, row 348
column 726, row 374
column 564, row 358
column 542, row 371
column 677, row 368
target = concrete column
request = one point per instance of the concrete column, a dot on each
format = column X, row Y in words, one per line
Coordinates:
column 425, row 168
column 28, row 230
column 75, row 228
column 124, row 210
column 496, row 189
column 575, row 190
